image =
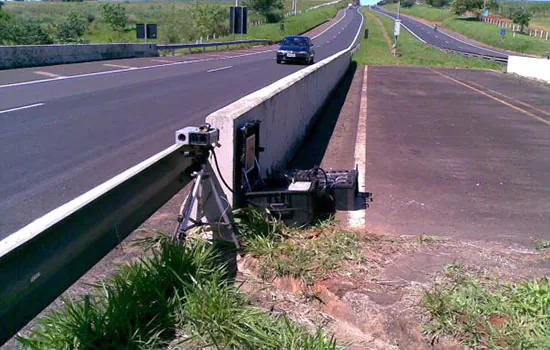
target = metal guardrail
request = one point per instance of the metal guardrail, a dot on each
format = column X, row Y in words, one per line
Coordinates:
column 213, row 44
column 476, row 55
column 473, row 54
column 43, row 259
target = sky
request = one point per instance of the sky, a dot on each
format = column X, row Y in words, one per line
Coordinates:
column 368, row 2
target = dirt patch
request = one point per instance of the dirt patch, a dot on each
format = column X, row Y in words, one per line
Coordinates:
column 376, row 304
column 384, row 31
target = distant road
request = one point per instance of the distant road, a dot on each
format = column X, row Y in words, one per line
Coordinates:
column 440, row 39
column 65, row 129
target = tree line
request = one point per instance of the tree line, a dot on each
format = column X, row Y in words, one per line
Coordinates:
column 175, row 25
column 518, row 15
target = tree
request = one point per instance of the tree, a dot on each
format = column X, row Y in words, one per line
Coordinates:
column 438, row 3
column 265, row 7
column 461, row 6
column 491, row 5
column 6, row 21
column 407, row 3
column 522, row 18
column 73, row 28
column 115, row 16
column 27, row 31
column 208, row 19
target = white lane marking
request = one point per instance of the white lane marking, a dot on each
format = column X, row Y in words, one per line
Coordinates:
column 332, row 25
column 32, row 82
column 403, row 25
column 450, row 36
column 117, row 66
column 357, row 218
column 47, row 74
column 161, row 61
column 21, row 108
column 154, row 66
column 218, row 69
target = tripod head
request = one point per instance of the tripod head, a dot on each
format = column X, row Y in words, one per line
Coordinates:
column 198, row 142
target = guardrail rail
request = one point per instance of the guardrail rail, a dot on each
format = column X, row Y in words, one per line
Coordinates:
column 43, row 259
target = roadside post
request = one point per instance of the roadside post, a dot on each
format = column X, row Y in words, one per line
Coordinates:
column 502, row 32
column 396, row 31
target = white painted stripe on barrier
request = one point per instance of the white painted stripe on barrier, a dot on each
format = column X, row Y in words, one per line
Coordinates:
column 21, row 108
column 357, row 218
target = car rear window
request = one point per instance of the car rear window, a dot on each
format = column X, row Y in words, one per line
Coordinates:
column 295, row 41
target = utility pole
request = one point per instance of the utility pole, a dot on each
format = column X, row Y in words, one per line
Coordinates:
column 399, row 8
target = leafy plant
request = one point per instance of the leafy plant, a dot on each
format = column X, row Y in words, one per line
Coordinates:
column 73, row 28
column 522, row 18
column 114, row 15
column 461, row 6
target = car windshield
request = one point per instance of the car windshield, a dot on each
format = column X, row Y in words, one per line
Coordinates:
column 295, row 41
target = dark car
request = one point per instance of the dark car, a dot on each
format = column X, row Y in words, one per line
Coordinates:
column 296, row 49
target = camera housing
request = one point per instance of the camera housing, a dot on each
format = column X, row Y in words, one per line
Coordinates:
column 203, row 136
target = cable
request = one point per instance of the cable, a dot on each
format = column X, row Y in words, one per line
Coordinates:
column 219, row 172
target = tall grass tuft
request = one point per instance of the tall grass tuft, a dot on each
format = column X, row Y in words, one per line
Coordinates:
column 173, row 290
column 134, row 309
column 502, row 316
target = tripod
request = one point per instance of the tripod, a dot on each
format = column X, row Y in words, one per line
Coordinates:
column 195, row 197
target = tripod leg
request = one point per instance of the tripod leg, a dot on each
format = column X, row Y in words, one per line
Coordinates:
column 224, row 215
column 191, row 202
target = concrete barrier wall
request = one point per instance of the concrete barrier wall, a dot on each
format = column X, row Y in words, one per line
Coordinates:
column 286, row 110
column 43, row 55
column 537, row 68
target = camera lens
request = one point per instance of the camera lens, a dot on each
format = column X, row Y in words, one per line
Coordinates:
column 181, row 137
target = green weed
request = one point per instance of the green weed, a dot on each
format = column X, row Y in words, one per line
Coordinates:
column 515, row 315
column 305, row 253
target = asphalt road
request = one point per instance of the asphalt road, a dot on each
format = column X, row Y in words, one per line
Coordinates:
column 461, row 153
column 440, row 39
column 66, row 129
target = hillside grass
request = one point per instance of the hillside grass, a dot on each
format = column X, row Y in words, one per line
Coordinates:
column 429, row 13
column 175, row 297
column 49, row 14
column 374, row 50
column 483, row 32
column 490, row 34
column 486, row 314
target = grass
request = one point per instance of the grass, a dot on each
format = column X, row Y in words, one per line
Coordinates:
column 295, row 24
column 483, row 32
column 175, row 294
column 541, row 244
column 374, row 50
column 308, row 254
column 429, row 13
column 490, row 35
column 484, row 315
column 164, row 14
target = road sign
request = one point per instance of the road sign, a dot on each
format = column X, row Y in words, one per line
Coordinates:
column 503, row 32
column 486, row 13
column 238, row 19
column 146, row 31
column 397, row 28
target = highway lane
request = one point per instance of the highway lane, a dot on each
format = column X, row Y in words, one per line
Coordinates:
column 86, row 129
column 441, row 39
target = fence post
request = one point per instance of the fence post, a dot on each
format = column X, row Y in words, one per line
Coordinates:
column 546, row 35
